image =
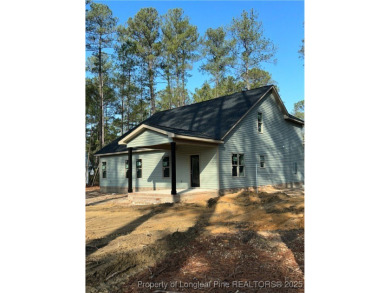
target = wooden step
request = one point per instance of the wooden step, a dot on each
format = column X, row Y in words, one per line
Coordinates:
column 149, row 199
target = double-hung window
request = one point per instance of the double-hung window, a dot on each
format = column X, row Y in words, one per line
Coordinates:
column 165, row 164
column 238, row 165
column 260, row 122
column 127, row 168
column 104, row 171
column 262, row 161
column 138, row 166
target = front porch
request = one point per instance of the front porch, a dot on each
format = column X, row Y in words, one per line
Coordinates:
column 170, row 168
column 165, row 196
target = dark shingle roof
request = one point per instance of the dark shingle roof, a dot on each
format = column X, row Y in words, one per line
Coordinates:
column 209, row 119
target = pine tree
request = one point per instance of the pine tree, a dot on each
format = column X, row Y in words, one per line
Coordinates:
column 257, row 78
column 217, row 51
column 253, row 48
column 126, row 66
column 144, row 30
column 180, row 41
column 100, row 30
column 299, row 109
column 203, row 94
column 229, row 85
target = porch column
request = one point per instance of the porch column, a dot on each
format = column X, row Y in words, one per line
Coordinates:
column 173, row 162
column 130, row 170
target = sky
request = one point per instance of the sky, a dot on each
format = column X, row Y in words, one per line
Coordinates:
column 283, row 23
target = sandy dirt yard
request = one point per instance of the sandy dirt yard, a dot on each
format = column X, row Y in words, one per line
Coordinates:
column 241, row 242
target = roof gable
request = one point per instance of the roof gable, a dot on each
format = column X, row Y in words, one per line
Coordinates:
column 147, row 137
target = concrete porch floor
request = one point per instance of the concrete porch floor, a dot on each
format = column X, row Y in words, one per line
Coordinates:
column 164, row 196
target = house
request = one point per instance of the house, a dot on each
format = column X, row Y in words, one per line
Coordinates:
column 239, row 141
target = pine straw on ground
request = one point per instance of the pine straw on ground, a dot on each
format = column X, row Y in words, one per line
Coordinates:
column 239, row 237
column 226, row 258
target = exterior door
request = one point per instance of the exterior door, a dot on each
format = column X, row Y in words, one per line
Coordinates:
column 195, row 179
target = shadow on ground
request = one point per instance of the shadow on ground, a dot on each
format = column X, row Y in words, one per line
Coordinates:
column 195, row 255
column 96, row 244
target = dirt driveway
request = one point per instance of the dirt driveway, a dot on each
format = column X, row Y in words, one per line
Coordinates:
column 244, row 237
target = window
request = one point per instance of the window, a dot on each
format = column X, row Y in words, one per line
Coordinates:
column 104, row 172
column 259, row 122
column 127, row 168
column 262, row 161
column 238, row 166
column 165, row 163
column 295, row 168
column 138, row 166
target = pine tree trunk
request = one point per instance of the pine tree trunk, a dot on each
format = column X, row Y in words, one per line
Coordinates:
column 122, row 110
column 248, row 85
column 128, row 113
column 183, row 91
column 177, row 89
column 169, row 90
column 216, row 86
column 101, row 118
column 128, row 103
column 183, row 82
column 151, row 88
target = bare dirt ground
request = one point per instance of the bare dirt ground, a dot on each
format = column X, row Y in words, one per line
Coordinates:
column 207, row 246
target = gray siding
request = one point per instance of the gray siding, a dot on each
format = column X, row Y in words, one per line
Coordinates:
column 208, row 164
column 280, row 143
column 152, row 170
column 148, row 137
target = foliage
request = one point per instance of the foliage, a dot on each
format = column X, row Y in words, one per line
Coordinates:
column 125, row 79
column 253, row 48
column 258, row 77
column 299, row 109
column 302, row 50
column 218, row 54
column 144, row 31
column 229, row 85
column 180, row 41
column 100, row 29
column 91, row 115
column 204, row 93
column 103, row 65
